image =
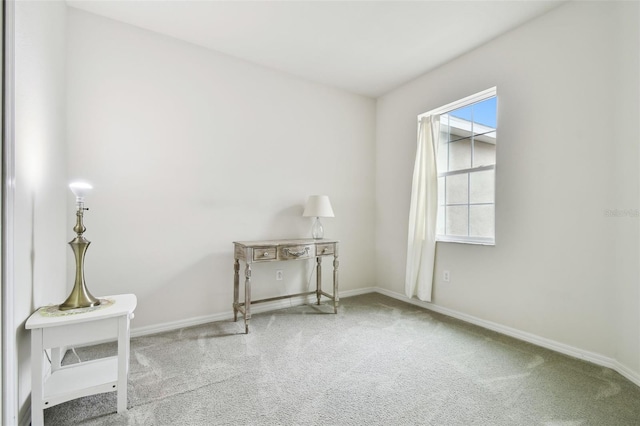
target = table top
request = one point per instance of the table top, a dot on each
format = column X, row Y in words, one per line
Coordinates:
column 299, row 241
column 122, row 304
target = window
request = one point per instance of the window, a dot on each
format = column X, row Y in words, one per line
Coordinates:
column 466, row 162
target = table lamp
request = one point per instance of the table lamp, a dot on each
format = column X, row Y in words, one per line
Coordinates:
column 318, row 206
column 80, row 296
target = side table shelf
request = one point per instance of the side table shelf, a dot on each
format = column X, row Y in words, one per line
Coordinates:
column 61, row 384
column 78, row 380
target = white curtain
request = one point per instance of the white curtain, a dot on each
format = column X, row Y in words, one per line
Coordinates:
column 421, row 247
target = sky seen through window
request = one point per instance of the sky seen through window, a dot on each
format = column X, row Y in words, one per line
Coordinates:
column 483, row 112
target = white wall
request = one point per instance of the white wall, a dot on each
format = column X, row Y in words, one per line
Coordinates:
column 626, row 125
column 190, row 150
column 567, row 152
column 40, row 164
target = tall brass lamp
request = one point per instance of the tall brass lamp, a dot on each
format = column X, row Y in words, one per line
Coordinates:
column 80, row 296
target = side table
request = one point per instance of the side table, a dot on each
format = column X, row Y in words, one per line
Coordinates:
column 55, row 330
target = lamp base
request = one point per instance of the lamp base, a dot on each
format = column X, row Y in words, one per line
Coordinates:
column 317, row 230
column 80, row 296
column 78, row 299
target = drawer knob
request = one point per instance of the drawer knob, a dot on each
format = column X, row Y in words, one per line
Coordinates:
column 326, row 249
column 266, row 254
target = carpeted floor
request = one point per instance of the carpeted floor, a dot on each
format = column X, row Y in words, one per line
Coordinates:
column 379, row 361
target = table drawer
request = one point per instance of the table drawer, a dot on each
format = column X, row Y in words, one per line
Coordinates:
column 297, row 252
column 264, row 253
column 325, row 249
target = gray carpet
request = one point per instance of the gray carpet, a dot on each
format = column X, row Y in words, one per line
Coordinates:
column 377, row 362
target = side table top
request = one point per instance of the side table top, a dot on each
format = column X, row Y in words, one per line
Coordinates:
column 122, row 304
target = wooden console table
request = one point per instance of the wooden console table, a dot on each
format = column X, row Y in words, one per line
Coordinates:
column 279, row 250
column 53, row 329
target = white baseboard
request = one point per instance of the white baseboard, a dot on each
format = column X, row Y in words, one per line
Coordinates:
column 627, row 372
column 593, row 357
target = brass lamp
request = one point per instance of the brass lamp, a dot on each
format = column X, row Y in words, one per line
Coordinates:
column 80, row 296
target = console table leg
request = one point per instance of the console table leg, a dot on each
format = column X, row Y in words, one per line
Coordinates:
column 318, row 278
column 336, row 298
column 247, row 297
column 236, row 288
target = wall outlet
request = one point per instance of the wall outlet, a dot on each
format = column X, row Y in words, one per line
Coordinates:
column 446, row 276
column 279, row 275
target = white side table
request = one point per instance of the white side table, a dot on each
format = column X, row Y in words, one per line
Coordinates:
column 61, row 384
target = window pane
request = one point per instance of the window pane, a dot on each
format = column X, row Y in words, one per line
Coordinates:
column 482, row 187
column 457, row 220
column 460, row 154
column 484, row 114
column 484, row 130
column 444, row 123
column 482, row 221
column 440, row 221
column 443, row 150
column 484, row 154
column 441, row 198
column 457, row 189
column 487, row 137
column 464, row 113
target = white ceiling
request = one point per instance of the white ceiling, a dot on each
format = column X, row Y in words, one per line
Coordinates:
column 365, row 47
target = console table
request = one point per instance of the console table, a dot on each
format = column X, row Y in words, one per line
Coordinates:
column 281, row 250
column 52, row 329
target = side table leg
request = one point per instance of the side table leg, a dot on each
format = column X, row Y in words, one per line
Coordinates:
column 236, row 288
column 336, row 298
column 123, row 361
column 247, row 297
column 37, row 384
column 318, row 278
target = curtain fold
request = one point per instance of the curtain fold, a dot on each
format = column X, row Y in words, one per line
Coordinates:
column 423, row 213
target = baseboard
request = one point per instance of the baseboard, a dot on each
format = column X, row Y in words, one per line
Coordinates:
column 262, row 307
column 627, row 372
column 593, row 357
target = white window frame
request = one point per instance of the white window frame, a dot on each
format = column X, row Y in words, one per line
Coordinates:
column 478, row 97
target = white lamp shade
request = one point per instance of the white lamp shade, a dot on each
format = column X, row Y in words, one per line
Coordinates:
column 318, row 206
column 80, row 189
